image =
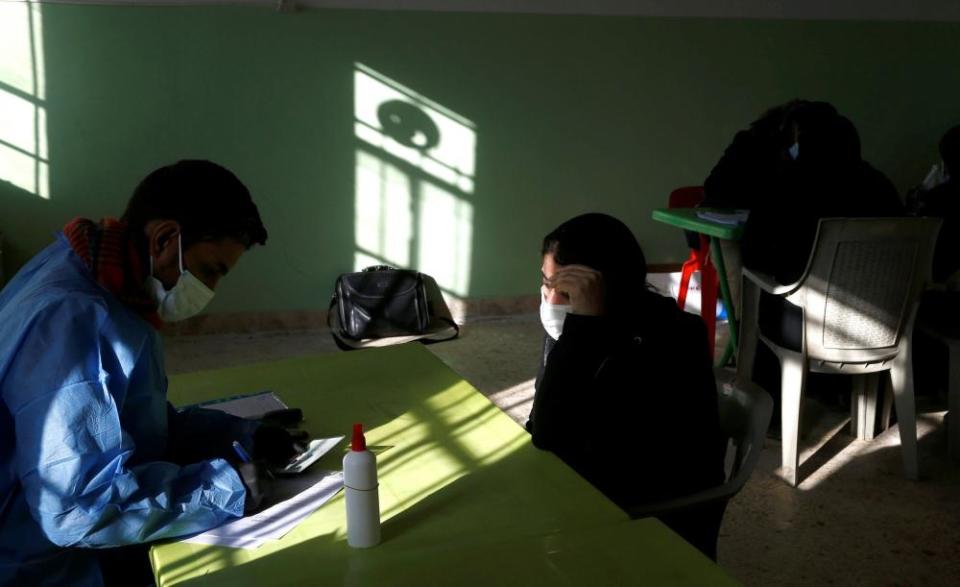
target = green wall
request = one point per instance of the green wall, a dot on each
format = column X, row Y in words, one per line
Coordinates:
column 572, row 114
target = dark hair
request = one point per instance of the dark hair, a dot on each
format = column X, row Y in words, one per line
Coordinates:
column 832, row 141
column 950, row 150
column 777, row 122
column 806, row 112
column 605, row 244
column 207, row 200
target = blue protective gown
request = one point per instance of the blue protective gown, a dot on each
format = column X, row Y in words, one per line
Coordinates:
column 86, row 431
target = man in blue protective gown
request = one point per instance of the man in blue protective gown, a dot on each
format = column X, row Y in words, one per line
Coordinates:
column 94, row 463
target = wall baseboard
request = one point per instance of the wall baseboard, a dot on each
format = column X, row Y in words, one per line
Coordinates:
column 462, row 311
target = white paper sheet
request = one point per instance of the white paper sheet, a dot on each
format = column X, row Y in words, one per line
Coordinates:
column 247, row 542
column 733, row 218
column 299, row 497
column 737, row 217
column 316, row 449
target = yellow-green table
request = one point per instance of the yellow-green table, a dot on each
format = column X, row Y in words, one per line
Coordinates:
column 464, row 496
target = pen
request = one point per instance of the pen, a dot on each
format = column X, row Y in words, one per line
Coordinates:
column 245, row 458
column 237, row 448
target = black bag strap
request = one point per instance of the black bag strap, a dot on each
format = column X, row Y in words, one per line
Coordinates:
column 438, row 308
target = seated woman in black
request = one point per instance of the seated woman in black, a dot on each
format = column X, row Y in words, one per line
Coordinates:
column 751, row 170
column 828, row 179
column 943, row 201
column 940, row 309
column 625, row 394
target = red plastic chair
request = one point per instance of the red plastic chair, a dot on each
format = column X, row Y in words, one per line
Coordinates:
column 699, row 260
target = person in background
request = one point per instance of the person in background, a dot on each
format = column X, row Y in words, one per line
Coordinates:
column 827, row 179
column 92, row 457
column 943, row 201
column 625, row 392
column 751, row 169
column 937, row 175
column 940, row 307
column 755, row 167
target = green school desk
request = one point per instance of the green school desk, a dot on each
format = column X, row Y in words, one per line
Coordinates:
column 687, row 219
column 465, row 498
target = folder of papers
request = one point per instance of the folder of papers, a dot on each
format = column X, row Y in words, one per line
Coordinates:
column 251, row 406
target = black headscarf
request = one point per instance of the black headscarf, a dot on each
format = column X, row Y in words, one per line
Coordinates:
column 605, row 244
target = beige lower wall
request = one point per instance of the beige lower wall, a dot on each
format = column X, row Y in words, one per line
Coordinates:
column 462, row 311
column 248, row 322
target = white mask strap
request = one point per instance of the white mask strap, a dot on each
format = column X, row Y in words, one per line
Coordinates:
column 179, row 257
column 180, row 252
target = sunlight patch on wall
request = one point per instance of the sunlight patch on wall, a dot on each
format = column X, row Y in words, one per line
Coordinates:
column 24, row 159
column 415, row 166
column 446, row 230
column 382, row 209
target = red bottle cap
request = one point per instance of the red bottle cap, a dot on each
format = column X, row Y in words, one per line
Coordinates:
column 358, row 442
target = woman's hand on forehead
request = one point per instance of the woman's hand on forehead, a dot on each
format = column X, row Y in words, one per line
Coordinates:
column 583, row 286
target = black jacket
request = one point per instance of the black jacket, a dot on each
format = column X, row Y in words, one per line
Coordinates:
column 943, row 201
column 780, row 232
column 631, row 404
column 942, row 308
column 742, row 177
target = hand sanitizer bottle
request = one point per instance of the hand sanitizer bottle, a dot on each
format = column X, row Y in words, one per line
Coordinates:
column 360, row 489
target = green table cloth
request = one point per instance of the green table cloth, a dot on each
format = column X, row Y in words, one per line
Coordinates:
column 465, row 498
column 687, row 219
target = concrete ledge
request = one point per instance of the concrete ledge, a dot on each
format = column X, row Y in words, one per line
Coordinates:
column 462, row 310
column 249, row 322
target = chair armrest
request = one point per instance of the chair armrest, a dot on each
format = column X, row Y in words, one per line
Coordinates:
column 768, row 284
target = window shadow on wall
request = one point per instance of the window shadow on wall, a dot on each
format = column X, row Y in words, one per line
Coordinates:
column 24, row 160
column 415, row 167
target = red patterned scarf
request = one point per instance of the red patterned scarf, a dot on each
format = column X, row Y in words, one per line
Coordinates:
column 110, row 253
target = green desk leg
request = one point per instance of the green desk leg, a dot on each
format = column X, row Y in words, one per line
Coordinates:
column 727, row 302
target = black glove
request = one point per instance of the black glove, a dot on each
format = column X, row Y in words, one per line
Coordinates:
column 274, row 443
column 258, row 483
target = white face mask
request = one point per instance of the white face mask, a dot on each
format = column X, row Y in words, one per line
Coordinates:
column 552, row 317
column 794, row 151
column 187, row 298
column 938, row 174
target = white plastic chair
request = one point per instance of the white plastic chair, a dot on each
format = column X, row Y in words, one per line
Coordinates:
column 745, row 412
column 859, row 296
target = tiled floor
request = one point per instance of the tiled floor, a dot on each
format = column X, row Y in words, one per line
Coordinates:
column 854, row 520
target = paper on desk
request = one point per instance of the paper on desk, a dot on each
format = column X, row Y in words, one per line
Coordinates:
column 231, row 541
column 247, row 406
column 316, row 449
column 735, row 217
column 298, row 497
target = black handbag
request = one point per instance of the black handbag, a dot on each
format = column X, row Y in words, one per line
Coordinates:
column 383, row 305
